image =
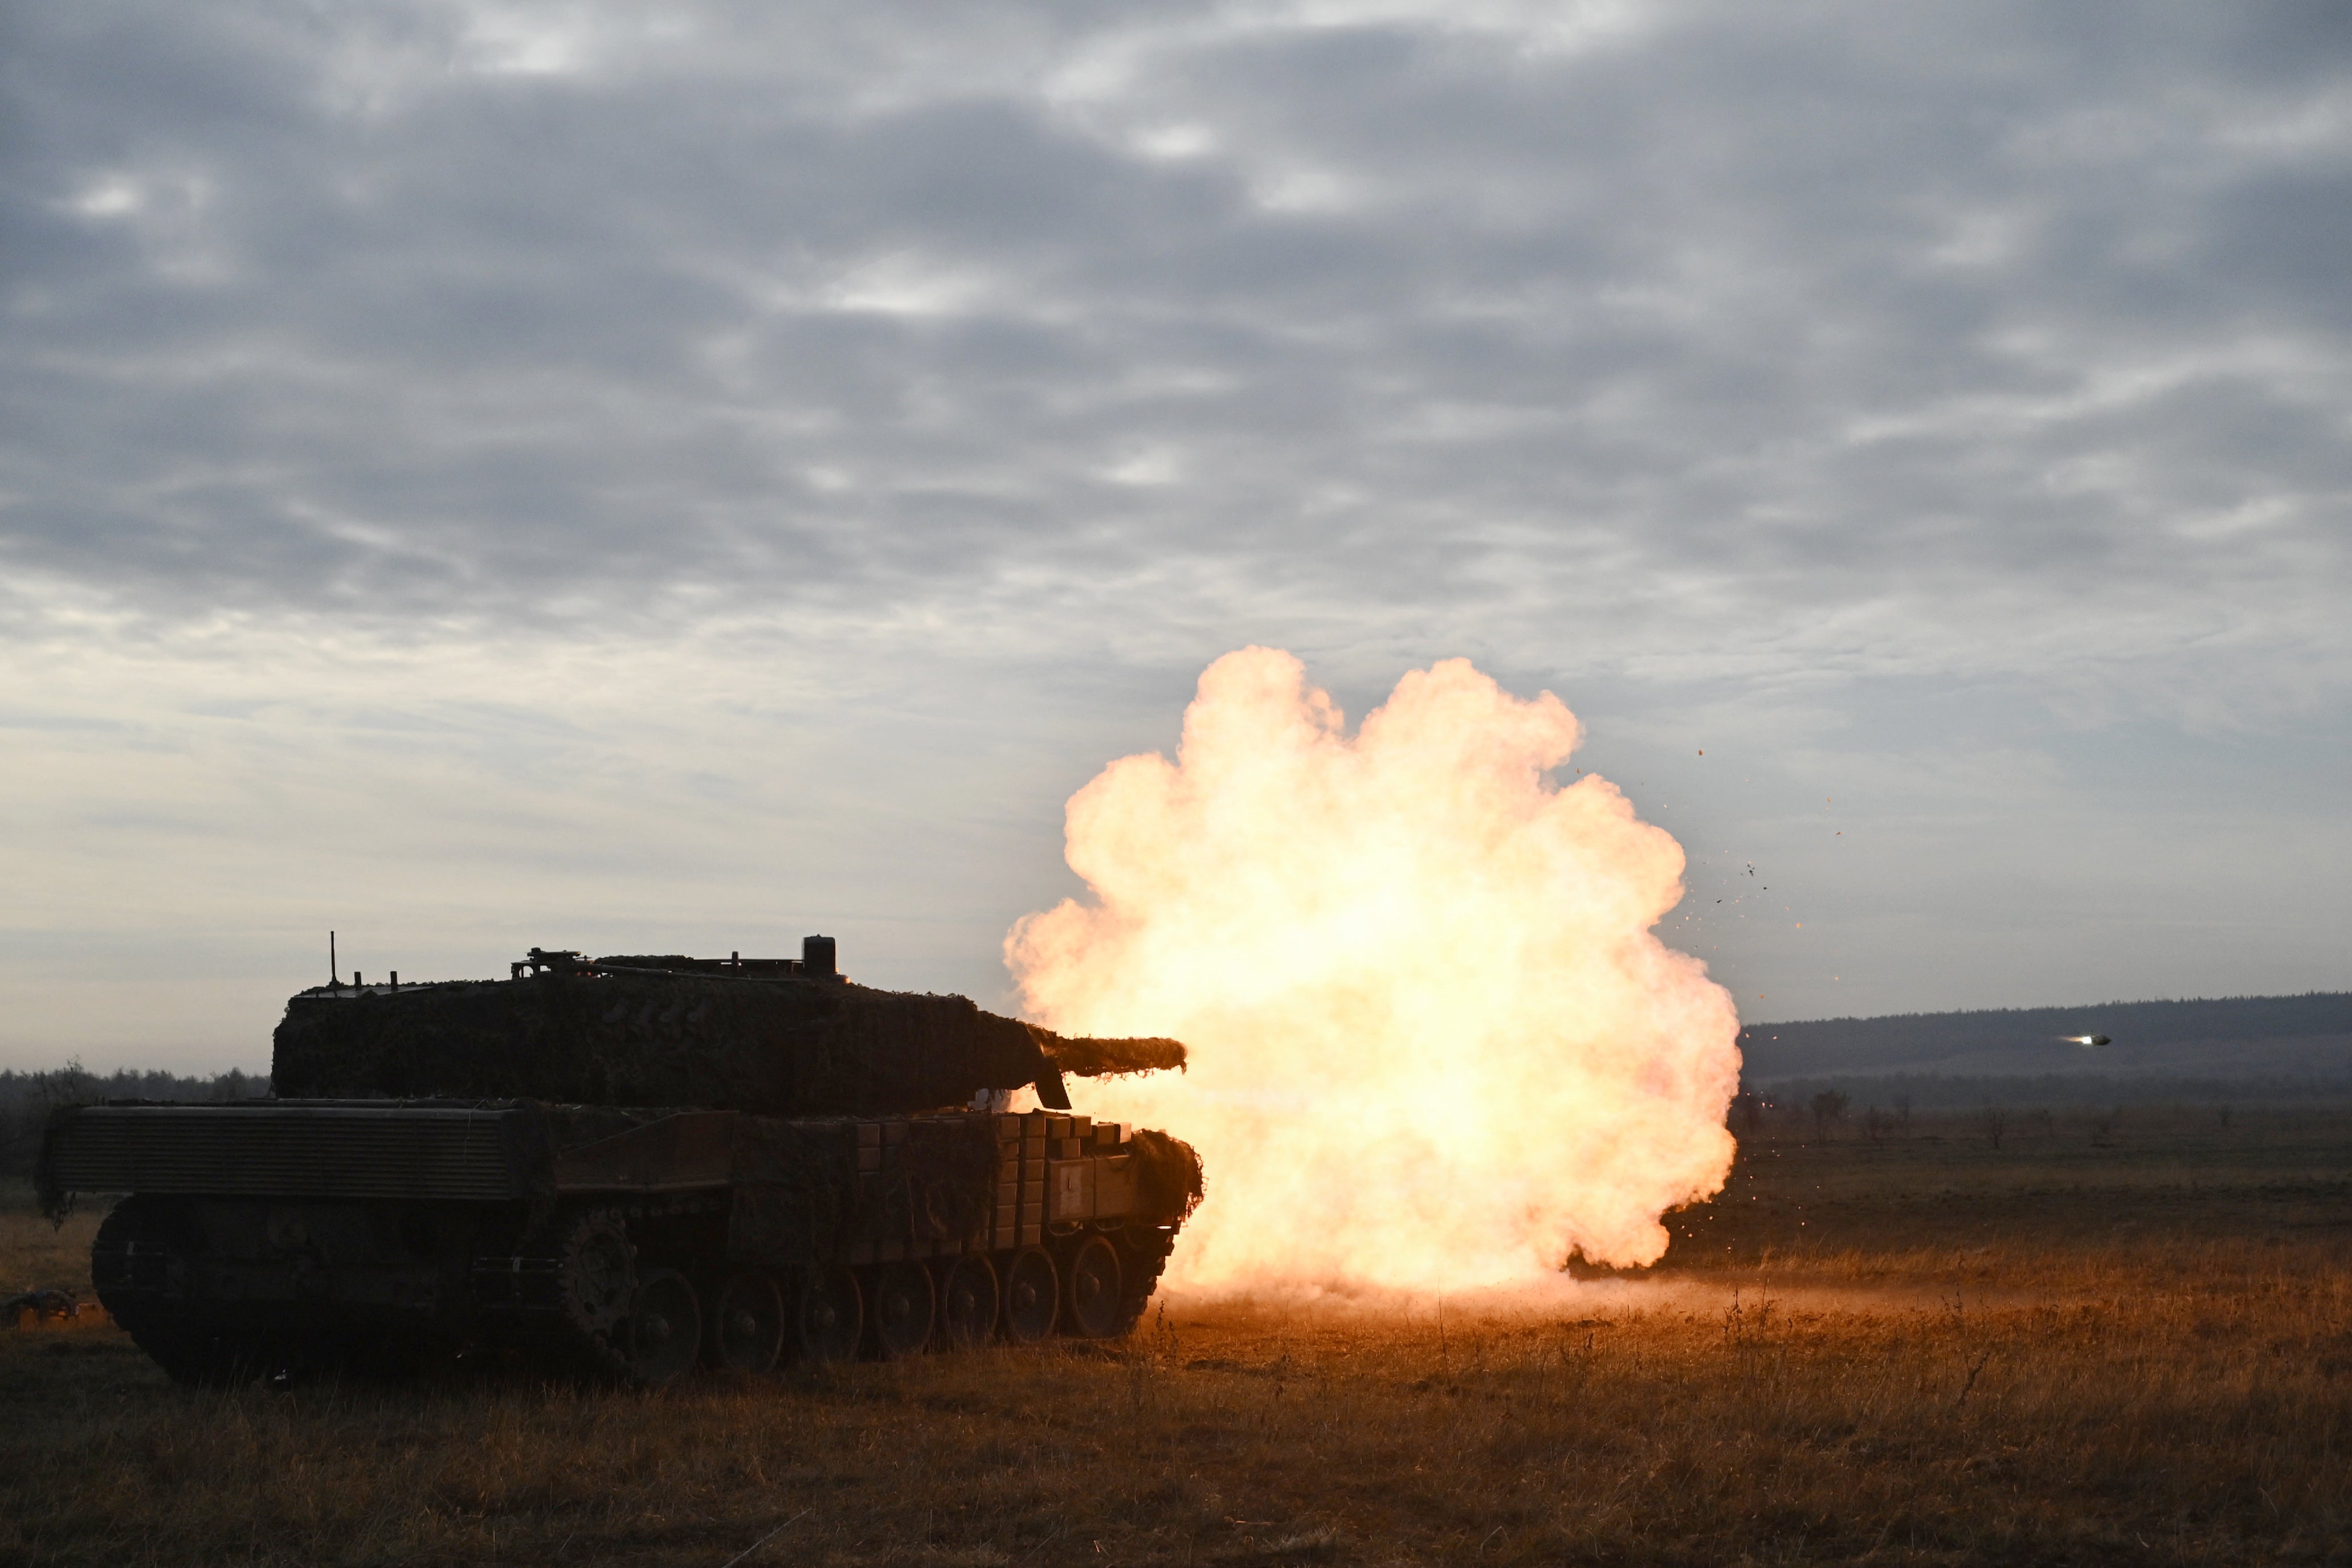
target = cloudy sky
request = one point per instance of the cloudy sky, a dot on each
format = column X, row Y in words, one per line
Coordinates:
column 617, row 477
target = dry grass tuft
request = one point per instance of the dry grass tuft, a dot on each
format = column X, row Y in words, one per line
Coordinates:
column 1907, row 1351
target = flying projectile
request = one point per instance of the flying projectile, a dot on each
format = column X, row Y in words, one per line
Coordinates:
column 2089, row 1039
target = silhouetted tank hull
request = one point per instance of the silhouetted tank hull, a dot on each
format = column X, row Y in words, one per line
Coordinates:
column 303, row 1232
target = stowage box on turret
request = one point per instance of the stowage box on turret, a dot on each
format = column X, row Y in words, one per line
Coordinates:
column 629, row 1166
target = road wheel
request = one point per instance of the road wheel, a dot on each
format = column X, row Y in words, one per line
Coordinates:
column 903, row 1307
column 664, row 1329
column 967, row 1303
column 1032, row 1297
column 1093, row 1291
column 746, row 1331
column 829, row 1316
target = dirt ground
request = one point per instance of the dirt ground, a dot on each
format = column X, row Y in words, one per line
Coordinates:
column 2123, row 1338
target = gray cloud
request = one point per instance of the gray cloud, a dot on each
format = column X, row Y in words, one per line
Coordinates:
column 1753, row 361
column 1805, row 297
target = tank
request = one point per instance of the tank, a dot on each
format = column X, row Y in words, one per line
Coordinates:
column 628, row 1167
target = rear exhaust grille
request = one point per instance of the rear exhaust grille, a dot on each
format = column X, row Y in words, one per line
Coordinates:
column 326, row 1151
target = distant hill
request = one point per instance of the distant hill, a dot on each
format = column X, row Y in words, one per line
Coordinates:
column 2224, row 1038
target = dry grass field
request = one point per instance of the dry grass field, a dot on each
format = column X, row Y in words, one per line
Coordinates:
column 2117, row 1339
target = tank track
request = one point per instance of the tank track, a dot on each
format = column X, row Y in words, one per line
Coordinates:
column 561, row 1298
column 1143, row 1256
column 139, row 1263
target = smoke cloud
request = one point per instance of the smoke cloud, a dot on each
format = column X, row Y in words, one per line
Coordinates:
column 1434, row 1041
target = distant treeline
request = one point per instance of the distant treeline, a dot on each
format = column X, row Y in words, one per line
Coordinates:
column 28, row 1097
column 1835, row 1045
column 1938, row 1092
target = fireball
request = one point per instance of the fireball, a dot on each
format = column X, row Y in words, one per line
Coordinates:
column 1435, row 1041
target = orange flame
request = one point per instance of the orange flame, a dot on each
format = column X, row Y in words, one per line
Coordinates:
column 1435, row 1042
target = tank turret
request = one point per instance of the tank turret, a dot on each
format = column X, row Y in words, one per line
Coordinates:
column 772, row 1036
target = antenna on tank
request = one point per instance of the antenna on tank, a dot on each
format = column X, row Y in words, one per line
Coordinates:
column 335, row 971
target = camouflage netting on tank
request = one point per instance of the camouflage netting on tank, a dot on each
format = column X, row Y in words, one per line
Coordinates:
column 1168, row 1175
column 771, row 1048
